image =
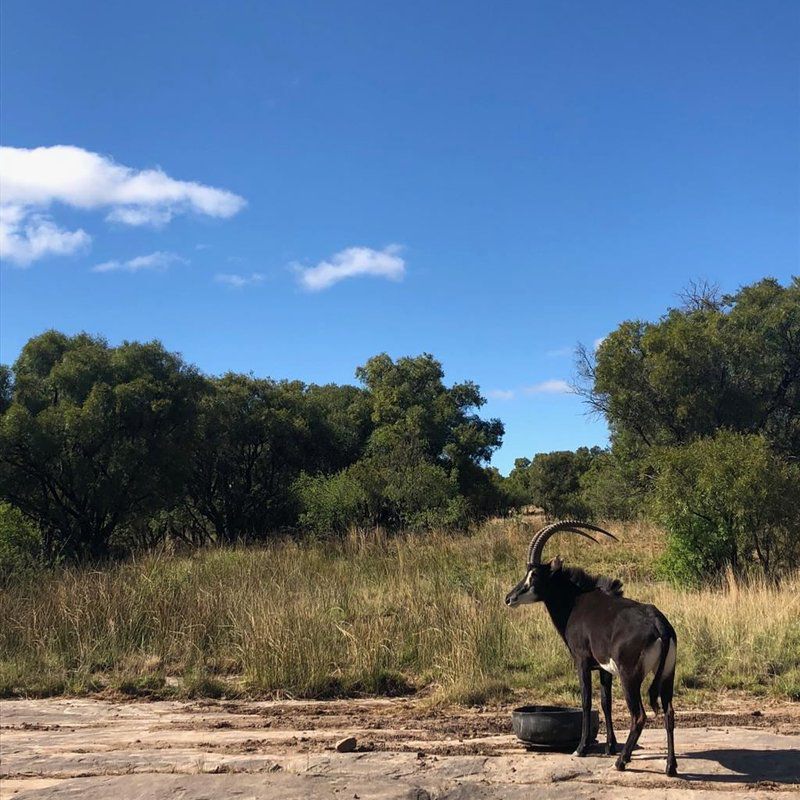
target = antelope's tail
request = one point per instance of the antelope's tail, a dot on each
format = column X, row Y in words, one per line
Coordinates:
column 668, row 639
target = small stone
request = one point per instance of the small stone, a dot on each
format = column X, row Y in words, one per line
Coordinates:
column 346, row 745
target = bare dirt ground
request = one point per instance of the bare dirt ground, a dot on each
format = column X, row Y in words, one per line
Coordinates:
column 95, row 750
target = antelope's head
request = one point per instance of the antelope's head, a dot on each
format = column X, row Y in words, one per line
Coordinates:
column 533, row 587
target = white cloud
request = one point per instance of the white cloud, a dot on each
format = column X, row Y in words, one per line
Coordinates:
column 155, row 261
column 239, row 281
column 353, row 262
column 140, row 215
column 552, row 386
column 25, row 237
column 33, row 180
column 500, row 394
column 598, row 342
column 560, row 352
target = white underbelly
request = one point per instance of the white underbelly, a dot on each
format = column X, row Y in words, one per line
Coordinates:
column 611, row 667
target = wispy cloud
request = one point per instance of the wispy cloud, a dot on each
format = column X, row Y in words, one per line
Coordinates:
column 500, row 394
column 351, row 263
column 552, row 386
column 152, row 261
column 598, row 342
column 560, row 352
column 32, row 181
column 239, row 281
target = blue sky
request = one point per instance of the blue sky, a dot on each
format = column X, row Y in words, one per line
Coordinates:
column 290, row 187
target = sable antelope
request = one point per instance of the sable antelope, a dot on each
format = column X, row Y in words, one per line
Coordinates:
column 607, row 632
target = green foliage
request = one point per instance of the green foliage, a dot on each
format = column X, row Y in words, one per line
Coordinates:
column 6, row 387
column 414, row 412
column 674, row 392
column 117, row 449
column 253, row 436
column 731, row 363
column 374, row 492
column 334, row 503
column 94, row 436
column 610, row 487
column 724, row 500
column 422, row 464
column 552, row 481
column 20, row 543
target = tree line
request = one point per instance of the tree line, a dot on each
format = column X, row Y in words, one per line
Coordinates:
column 105, row 450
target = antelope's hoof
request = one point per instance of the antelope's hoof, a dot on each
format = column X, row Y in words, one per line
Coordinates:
column 619, row 764
column 611, row 748
column 581, row 752
column 672, row 770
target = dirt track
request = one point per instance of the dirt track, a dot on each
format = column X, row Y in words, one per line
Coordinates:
column 96, row 750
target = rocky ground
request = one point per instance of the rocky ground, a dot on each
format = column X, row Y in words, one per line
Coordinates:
column 95, row 750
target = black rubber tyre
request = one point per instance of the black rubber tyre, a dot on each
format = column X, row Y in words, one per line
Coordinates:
column 553, row 726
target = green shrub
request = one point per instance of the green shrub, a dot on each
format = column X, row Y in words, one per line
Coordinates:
column 333, row 503
column 20, row 543
column 417, row 496
column 727, row 501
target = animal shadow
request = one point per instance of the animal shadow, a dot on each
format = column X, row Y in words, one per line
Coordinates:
column 750, row 766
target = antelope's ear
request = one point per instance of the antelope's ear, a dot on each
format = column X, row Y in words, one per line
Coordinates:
column 556, row 564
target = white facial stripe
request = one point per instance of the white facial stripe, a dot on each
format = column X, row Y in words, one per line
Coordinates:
column 528, row 579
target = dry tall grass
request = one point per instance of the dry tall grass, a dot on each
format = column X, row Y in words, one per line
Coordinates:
column 369, row 614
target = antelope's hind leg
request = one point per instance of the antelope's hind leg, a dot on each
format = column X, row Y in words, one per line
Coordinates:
column 669, row 723
column 605, row 701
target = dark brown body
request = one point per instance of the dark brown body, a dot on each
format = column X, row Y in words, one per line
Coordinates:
column 607, row 632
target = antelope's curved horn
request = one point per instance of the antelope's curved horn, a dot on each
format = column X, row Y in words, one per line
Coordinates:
column 571, row 525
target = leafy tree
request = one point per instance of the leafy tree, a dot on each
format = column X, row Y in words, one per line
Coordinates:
column 251, row 446
column 94, row 435
column 339, row 422
column 517, row 485
column 256, row 435
column 418, row 420
column 490, row 495
column 725, row 500
column 413, row 409
column 613, row 486
column 6, row 387
column 423, row 461
column 552, row 481
column 676, row 388
column 732, row 362
column 335, row 503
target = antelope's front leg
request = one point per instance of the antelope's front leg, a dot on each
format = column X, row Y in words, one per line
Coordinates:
column 585, row 675
column 605, row 701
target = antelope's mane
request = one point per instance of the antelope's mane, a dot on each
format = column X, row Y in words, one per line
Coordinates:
column 588, row 583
